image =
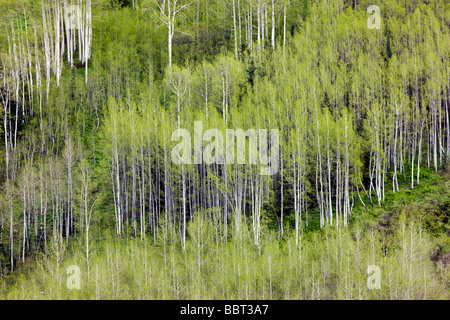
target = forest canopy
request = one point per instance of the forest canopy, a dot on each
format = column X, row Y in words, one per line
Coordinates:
column 91, row 92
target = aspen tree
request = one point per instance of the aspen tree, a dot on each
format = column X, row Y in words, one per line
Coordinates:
column 84, row 207
column 69, row 158
column 203, row 78
column 178, row 81
column 168, row 13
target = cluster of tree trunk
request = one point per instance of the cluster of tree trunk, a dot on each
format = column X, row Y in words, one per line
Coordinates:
column 358, row 112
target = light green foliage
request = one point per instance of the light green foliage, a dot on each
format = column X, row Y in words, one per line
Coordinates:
column 86, row 151
column 328, row 265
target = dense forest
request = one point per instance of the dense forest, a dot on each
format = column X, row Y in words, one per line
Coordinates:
column 340, row 110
